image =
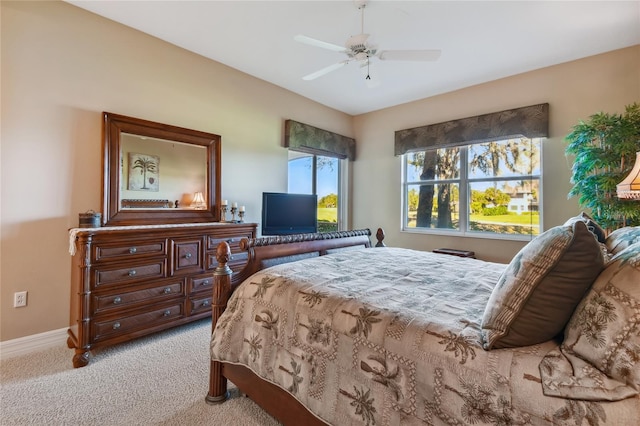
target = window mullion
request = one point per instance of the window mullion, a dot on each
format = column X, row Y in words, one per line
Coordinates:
column 314, row 175
column 465, row 199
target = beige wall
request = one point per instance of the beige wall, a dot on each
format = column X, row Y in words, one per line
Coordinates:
column 574, row 91
column 62, row 66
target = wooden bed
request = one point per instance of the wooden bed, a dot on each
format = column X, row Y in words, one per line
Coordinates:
column 443, row 358
column 265, row 252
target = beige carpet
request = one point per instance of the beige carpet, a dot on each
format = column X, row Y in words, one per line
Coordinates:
column 157, row 380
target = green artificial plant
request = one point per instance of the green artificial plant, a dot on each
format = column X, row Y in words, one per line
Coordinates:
column 604, row 149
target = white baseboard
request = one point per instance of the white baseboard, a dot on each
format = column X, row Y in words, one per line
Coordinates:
column 33, row 343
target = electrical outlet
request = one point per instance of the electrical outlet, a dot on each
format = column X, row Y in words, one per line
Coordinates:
column 19, row 299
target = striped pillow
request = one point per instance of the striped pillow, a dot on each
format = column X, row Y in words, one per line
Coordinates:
column 537, row 293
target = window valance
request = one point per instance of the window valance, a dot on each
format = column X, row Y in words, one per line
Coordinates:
column 530, row 122
column 303, row 137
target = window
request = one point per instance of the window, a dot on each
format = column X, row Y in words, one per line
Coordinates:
column 321, row 175
column 485, row 189
column 319, row 164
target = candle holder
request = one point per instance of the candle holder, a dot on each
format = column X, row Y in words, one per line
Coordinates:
column 233, row 213
column 223, row 213
column 241, row 216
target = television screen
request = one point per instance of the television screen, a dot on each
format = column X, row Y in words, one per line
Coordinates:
column 284, row 213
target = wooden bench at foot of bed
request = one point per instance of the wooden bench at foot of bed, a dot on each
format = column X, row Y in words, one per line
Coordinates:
column 262, row 253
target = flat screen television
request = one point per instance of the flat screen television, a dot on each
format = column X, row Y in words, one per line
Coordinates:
column 284, row 213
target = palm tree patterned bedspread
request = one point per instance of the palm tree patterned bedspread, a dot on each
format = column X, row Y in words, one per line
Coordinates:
column 391, row 336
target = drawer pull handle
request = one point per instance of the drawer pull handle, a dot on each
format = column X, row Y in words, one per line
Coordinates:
column 132, row 273
column 117, row 300
column 205, row 303
column 231, row 257
column 133, row 250
column 116, row 325
column 167, row 290
column 166, row 313
column 187, row 256
column 205, row 282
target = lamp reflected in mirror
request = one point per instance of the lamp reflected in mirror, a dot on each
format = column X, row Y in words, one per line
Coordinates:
column 198, row 201
column 629, row 188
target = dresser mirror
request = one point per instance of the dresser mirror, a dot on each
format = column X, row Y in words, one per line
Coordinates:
column 157, row 173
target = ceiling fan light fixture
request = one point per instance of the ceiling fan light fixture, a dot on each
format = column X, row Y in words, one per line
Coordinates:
column 361, row 56
column 357, row 42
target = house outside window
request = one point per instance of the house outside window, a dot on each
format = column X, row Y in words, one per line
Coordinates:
column 320, row 175
column 490, row 189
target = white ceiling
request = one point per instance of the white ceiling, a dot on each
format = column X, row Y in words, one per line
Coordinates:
column 480, row 40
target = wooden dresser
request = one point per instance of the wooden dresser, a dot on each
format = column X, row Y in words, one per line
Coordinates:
column 129, row 281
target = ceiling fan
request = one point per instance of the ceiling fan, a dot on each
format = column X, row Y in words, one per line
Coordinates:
column 359, row 50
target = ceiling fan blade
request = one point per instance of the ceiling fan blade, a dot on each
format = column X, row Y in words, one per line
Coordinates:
column 325, row 70
column 322, row 44
column 409, row 55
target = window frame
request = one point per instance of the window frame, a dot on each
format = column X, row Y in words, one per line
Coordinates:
column 342, row 182
column 464, row 183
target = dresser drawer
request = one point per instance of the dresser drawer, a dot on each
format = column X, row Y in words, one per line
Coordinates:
column 187, row 256
column 132, row 273
column 232, row 240
column 236, row 259
column 127, row 298
column 198, row 284
column 130, row 250
column 200, row 305
column 127, row 324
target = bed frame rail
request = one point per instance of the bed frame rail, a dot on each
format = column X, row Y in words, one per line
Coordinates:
column 268, row 251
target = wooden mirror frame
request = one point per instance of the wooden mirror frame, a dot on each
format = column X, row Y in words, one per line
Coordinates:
column 113, row 214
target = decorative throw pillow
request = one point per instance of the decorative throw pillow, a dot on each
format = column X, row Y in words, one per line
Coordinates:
column 592, row 225
column 605, row 327
column 622, row 238
column 537, row 293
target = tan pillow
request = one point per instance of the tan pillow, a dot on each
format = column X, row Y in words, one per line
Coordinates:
column 622, row 238
column 605, row 328
column 539, row 290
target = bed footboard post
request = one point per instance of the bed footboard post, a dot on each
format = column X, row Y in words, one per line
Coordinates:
column 380, row 238
column 221, row 292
